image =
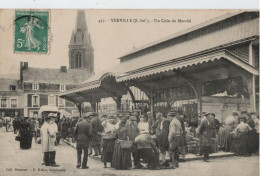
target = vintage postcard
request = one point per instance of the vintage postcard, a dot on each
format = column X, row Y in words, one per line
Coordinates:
column 129, row 92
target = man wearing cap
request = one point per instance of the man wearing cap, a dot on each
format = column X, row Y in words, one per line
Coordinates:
column 147, row 150
column 175, row 132
column 161, row 128
column 48, row 138
column 97, row 129
column 133, row 131
column 206, row 131
column 180, row 117
column 83, row 135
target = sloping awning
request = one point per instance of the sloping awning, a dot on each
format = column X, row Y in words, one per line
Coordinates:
column 186, row 62
column 175, row 64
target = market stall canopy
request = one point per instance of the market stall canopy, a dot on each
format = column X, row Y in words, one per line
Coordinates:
column 205, row 43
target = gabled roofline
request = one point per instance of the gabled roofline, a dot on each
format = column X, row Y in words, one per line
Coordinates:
column 185, row 31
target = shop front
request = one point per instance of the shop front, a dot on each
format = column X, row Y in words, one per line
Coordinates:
column 11, row 112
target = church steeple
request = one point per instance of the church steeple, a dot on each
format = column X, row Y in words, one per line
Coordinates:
column 81, row 52
column 81, row 21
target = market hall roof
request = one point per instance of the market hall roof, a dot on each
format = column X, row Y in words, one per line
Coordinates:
column 55, row 76
column 202, row 43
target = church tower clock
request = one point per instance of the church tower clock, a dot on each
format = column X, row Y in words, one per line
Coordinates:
column 81, row 52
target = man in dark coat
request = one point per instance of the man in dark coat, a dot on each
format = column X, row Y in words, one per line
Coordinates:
column 83, row 136
column 161, row 129
column 216, row 123
column 73, row 126
column 97, row 129
column 206, row 131
column 15, row 125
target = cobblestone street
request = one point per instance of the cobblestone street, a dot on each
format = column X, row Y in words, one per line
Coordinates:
column 28, row 162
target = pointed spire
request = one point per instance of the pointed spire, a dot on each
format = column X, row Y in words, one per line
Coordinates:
column 72, row 38
column 81, row 21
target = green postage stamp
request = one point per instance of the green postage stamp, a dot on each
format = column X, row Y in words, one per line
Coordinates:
column 31, row 32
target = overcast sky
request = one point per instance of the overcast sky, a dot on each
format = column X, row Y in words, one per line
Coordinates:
column 109, row 40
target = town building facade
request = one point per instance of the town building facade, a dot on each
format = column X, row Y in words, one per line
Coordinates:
column 11, row 98
column 37, row 87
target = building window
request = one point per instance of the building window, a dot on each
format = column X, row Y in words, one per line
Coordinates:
column 13, row 103
column 52, row 100
column 35, row 101
column 61, row 102
column 12, row 87
column 62, row 87
column 35, row 86
column 3, row 103
column 78, row 60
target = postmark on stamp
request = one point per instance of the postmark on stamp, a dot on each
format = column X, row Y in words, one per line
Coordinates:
column 31, row 32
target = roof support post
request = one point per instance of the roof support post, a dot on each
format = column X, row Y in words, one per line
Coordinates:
column 117, row 99
column 199, row 88
column 151, row 98
column 132, row 95
column 79, row 108
column 249, row 80
column 252, row 93
column 94, row 106
column 251, row 61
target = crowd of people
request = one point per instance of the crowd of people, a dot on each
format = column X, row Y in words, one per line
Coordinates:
column 119, row 138
column 25, row 127
column 240, row 134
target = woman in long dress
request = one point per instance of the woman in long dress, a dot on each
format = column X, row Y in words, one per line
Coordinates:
column 251, row 134
column 224, row 136
column 240, row 138
column 121, row 157
column 107, row 144
column 26, row 135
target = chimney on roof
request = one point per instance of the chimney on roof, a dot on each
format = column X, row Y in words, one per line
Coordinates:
column 25, row 66
column 63, row 69
column 21, row 75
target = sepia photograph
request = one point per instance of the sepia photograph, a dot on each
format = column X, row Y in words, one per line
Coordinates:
column 129, row 92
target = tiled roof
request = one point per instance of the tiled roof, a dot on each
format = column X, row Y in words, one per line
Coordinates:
column 206, row 42
column 6, row 82
column 55, row 76
column 185, row 31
